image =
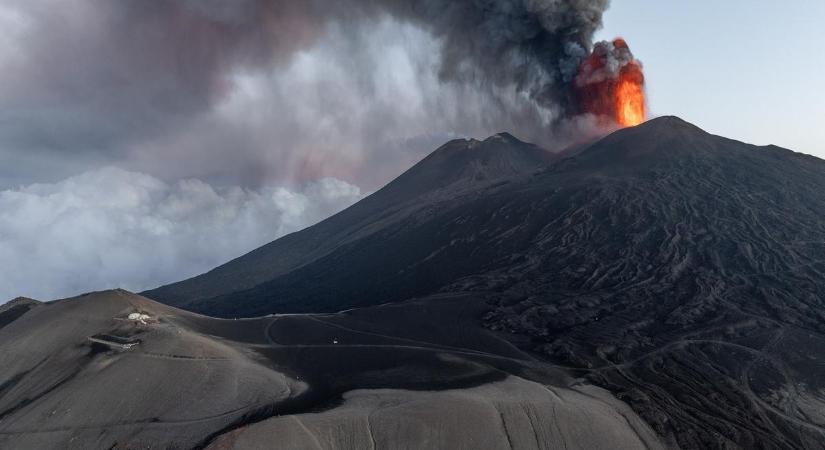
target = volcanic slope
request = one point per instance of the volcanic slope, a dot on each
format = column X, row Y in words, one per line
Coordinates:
column 682, row 271
column 291, row 267
column 113, row 370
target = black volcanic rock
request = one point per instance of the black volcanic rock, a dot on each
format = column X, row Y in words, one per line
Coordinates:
column 459, row 168
column 681, row 270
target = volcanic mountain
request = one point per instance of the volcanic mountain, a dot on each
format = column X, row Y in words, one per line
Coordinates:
column 372, row 252
column 681, row 270
column 661, row 286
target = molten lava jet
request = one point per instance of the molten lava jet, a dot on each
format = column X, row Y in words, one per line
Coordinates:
column 610, row 84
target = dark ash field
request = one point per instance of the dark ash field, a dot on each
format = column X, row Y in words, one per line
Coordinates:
column 661, row 287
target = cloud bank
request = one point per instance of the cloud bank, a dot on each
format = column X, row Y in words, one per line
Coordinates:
column 114, row 228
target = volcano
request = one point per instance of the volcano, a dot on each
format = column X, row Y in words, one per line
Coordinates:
column 661, row 287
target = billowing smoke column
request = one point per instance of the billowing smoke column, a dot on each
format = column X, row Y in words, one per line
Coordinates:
column 610, row 84
column 299, row 89
column 535, row 47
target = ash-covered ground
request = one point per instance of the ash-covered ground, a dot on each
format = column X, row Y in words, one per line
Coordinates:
column 683, row 271
column 662, row 285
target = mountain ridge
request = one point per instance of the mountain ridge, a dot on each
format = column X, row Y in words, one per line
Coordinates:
column 650, row 262
column 347, row 380
column 673, row 276
column 445, row 169
column 403, row 198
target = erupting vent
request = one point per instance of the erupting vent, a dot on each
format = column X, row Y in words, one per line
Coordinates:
column 610, row 84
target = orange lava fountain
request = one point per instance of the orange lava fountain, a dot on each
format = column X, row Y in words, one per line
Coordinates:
column 611, row 85
column 630, row 96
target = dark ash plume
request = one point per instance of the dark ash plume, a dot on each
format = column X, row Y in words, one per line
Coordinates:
column 144, row 85
column 532, row 46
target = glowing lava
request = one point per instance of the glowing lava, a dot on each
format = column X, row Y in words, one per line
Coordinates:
column 629, row 96
column 610, row 85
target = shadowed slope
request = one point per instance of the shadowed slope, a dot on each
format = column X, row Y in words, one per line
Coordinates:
column 458, row 166
column 681, row 270
column 13, row 310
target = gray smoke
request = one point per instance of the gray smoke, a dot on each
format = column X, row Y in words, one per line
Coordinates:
column 532, row 46
column 222, row 115
column 356, row 89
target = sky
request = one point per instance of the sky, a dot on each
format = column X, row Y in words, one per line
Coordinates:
column 146, row 142
column 751, row 70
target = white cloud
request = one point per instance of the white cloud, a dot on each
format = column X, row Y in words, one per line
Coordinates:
column 114, row 228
